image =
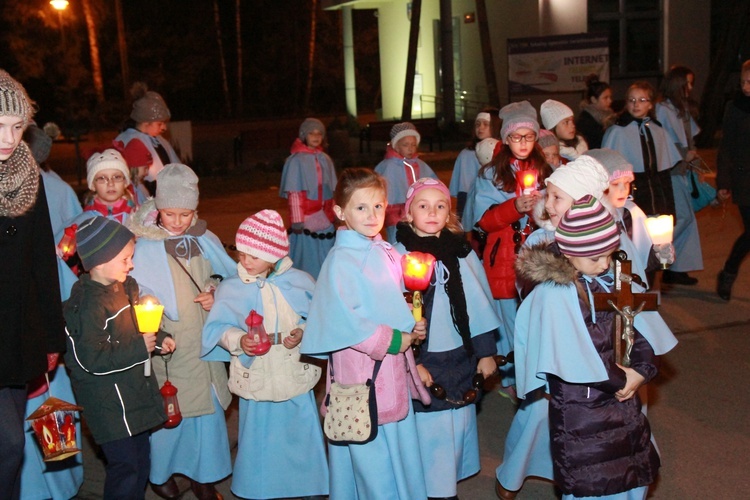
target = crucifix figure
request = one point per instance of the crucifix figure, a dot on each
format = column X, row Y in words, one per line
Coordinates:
column 624, row 301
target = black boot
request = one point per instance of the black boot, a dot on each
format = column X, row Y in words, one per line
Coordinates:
column 724, row 284
column 678, row 278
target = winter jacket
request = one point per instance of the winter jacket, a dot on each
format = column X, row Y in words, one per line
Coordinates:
column 499, row 253
column 733, row 172
column 600, row 446
column 106, row 354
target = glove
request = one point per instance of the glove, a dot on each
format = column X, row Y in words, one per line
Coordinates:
column 665, row 252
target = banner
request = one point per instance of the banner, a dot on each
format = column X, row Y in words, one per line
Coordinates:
column 559, row 63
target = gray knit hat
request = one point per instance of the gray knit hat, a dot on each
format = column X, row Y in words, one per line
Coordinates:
column 99, row 240
column 616, row 164
column 39, row 142
column 148, row 105
column 547, row 139
column 518, row 115
column 14, row 101
column 176, row 187
column 401, row 130
column 309, row 125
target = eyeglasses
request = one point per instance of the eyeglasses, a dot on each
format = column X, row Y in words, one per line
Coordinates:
column 115, row 179
column 515, row 138
column 470, row 396
column 633, row 100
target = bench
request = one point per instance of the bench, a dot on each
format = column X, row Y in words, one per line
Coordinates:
column 428, row 129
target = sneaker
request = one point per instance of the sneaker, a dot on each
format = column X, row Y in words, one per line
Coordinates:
column 678, row 278
column 724, row 284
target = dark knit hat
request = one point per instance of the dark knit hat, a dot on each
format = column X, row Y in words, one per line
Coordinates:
column 263, row 236
column 401, row 130
column 99, row 240
column 39, row 142
column 587, row 229
column 309, row 125
column 14, row 101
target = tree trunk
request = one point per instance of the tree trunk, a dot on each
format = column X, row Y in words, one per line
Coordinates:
column 96, row 65
column 122, row 44
column 735, row 23
column 224, row 82
column 411, row 60
column 493, row 97
column 311, row 54
column 238, row 29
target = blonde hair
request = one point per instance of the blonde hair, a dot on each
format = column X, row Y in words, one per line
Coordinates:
column 353, row 179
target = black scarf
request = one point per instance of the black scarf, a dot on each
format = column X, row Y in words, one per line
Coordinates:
column 447, row 248
column 742, row 102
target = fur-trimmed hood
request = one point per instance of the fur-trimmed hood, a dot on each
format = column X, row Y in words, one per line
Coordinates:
column 143, row 223
column 539, row 214
column 544, row 262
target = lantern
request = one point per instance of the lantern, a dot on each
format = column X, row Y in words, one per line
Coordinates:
column 525, row 181
column 67, row 244
column 171, row 406
column 417, row 268
column 54, row 426
column 257, row 332
column 660, row 229
column 148, row 317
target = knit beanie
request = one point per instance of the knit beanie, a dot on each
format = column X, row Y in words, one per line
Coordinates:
column 107, row 159
column 14, row 101
column 587, row 229
column 309, row 125
column 263, row 236
column 99, row 240
column 547, row 139
column 149, row 106
column 486, row 149
column 38, row 141
column 580, row 177
column 553, row 112
column 518, row 115
column 421, row 185
column 401, row 130
column 616, row 164
column 176, row 187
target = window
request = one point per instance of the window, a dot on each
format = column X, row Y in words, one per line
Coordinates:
column 635, row 34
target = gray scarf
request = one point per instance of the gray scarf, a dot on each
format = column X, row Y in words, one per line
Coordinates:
column 19, row 182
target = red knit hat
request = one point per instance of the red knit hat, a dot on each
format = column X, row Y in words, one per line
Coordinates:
column 263, row 236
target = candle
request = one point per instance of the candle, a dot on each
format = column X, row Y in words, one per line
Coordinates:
column 148, row 317
column 526, row 181
column 660, row 229
column 417, row 268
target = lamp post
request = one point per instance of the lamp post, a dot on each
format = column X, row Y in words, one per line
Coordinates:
column 60, row 6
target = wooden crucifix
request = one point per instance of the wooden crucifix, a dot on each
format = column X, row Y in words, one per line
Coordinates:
column 627, row 305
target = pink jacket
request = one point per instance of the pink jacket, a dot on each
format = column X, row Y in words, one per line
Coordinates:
column 397, row 381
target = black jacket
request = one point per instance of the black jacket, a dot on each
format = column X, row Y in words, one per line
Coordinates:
column 105, row 355
column 30, row 306
column 733, row 172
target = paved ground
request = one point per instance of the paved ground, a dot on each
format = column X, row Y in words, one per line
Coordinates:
column 698, row 408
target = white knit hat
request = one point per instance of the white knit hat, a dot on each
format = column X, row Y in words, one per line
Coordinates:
column 263, row 236
column 176, row 187
column 614, row 162
column 401, row 130
column 107, row 159
column 580, row 177
column 485, row 150
column 553, row 112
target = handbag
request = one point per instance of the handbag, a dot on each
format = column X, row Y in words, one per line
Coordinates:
column 352, row 416
column 702, row 193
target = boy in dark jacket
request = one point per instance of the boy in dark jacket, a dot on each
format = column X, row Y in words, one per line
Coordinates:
column 106, row 353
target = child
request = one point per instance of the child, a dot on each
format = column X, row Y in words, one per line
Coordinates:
column 501, row 212
column 600, row 439
column 558, row 119
column 308, row 182
column 732, row 178
column 551, row 149
column 527, row 443
column 637, row 137
column 674, row 113
column 279, row 426
column 106, row 353
column 486, row 125
column 108, row 178
column 148, row 121
column 401, row 168
column 460, row 343
column 175, row 259
column 138, row 158
column 596, row 111
column 634, row 238
column 358, row 315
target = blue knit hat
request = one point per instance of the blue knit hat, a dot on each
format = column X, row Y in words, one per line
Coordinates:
column 100, row 240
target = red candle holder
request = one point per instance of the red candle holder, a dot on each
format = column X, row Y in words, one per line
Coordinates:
column 526, row 181
column 418, row 267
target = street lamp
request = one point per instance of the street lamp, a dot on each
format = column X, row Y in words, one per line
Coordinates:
column 60, row 6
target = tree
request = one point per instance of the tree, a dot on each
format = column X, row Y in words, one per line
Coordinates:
column 96, row 65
